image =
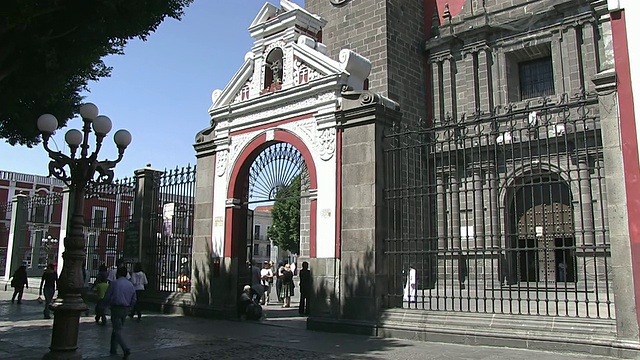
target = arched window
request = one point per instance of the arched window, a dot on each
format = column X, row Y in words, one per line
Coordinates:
column 273, row 71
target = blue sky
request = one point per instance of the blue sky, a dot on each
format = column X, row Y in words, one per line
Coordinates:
column 160, row 90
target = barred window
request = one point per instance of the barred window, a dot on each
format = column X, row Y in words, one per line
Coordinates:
column 536, row 78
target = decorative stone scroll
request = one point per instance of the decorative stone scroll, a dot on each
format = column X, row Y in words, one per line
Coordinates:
column 221, row 162
column 326, row 143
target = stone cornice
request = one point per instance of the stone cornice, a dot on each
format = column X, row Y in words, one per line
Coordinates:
column 363, row 107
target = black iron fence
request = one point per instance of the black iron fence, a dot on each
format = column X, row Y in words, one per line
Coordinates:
column 163, row 231
column 108, row 210
column 500, row 213
column 172, row 228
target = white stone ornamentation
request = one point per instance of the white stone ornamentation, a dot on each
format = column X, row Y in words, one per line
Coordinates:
column 322, row 142
column 239, row 142
column 221, row 162
column 302, row 73
column 286, row 108
column 326, row 143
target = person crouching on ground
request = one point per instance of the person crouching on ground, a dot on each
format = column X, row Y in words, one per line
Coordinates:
column 120, row 297
column 101, row 287
column 244, row 301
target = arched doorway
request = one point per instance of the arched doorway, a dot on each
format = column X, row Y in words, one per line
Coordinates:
column 541, row 246
column 264, row 173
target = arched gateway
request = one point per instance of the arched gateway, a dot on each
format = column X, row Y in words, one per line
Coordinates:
column 288, row 91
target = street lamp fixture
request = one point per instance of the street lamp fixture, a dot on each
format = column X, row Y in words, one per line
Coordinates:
column 77, row 172
column 49, row 243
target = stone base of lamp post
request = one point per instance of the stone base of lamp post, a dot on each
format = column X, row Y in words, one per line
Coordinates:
column 66, row 316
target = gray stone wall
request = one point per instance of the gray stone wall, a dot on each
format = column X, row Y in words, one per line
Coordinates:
column 390, row 34
column 474, row 58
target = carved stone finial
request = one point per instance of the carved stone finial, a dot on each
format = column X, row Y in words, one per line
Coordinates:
column 446, row 14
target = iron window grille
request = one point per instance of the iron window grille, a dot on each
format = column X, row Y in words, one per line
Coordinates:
column 536, row 78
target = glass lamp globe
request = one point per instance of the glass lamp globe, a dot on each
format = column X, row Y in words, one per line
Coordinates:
column 73, row 137
column 88, row 111
column 122, row 138
column 102, row 125
column 47, row 123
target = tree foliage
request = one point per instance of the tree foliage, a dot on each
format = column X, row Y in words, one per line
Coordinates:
column 52, row 49
column 285, row 229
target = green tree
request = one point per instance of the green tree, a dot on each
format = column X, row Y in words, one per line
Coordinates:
column 285, row 230
column 52, row 49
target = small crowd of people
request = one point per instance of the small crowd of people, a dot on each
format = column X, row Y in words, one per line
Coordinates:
column 262, row 281
column 116, row 288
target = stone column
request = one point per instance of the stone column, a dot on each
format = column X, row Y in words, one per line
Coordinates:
column 625, row 308
column 448, row 86
column 438, row 111
column 442, row 212
column 494, row 215
column 209, row 271
column 145, row 206
column 17, row 231
column 478, row 210
column 586, row 201
column 485, row 80
column 454, row 214
column 352, row 288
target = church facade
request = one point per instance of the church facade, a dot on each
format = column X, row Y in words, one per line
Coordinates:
column 459, row 162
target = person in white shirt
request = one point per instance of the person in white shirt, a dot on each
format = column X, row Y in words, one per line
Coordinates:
column 266, row 277
column 139, row 280
column 293, row 268
column 111, row 274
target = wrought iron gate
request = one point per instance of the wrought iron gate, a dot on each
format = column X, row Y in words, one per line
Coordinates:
column 172, row 227
column 500, row 213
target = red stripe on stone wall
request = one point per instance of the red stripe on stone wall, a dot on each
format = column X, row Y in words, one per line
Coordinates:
column 629, row 142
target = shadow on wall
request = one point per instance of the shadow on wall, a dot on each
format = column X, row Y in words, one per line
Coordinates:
column 207, row 295
column 346, row 289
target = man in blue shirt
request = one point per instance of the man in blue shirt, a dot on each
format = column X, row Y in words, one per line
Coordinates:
column 121, row 296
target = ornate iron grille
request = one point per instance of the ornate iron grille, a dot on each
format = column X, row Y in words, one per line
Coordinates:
column 273, row 171
column 172, row 227
column 108, row 210
column 500, row 213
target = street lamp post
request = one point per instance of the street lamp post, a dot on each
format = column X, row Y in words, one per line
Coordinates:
column 49, row 243
column 81, row 173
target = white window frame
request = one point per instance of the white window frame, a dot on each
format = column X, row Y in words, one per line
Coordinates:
column 115, row 242
column 94, row 209
column 259, row 227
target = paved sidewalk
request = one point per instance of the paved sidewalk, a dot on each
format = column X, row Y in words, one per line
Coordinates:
column 24, row 334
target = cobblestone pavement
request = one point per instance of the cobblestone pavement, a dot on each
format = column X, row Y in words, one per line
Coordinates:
column 24, row 334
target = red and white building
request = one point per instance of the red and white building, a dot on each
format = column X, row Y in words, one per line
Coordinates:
column 105, row 219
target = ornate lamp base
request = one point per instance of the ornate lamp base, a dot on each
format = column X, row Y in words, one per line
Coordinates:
column 66, row 323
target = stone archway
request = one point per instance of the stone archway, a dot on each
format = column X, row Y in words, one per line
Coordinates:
column 541, row 227
column 238, row 192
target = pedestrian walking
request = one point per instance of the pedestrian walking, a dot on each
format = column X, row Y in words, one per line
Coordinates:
column 266, row 275
column 48, row 284
column 279, row 281
column 86, row 277
column 19, row 281
column 112, row 273
column 305, row 288
column 139, row 281
column 102, row 271
column 120, row 297
column 287, row 286
column 101, row 287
